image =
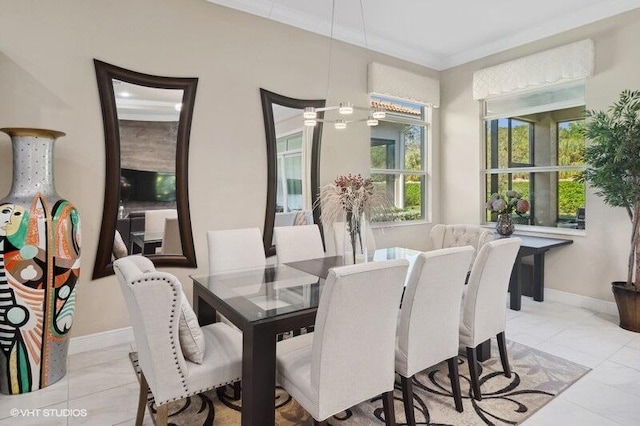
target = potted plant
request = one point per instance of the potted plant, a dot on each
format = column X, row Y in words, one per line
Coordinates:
column 613, row 168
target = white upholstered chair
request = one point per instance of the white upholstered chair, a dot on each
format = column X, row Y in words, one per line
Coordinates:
column 484, row 305
column 156, row 305
column 339, row 234
column 294, row 243
column 171, row 241
column 429, row 319
column 350, row 356
column 235, row 249
column 445, row 236
column 154, row 219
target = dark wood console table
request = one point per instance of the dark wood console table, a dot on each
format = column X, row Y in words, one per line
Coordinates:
column 536, row 247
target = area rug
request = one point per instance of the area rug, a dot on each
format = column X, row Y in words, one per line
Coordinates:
column 537, row 377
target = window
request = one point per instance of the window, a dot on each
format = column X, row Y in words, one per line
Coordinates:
column 399, row 158
column 289, row 163
column 534, row 145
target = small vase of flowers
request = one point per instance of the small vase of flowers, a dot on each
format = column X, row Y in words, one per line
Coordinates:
column 505, row 207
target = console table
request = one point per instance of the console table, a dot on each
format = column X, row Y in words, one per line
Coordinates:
column 536, row 246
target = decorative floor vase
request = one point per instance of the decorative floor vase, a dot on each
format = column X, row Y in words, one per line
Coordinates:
column 355, row 244
column 39, row 267
column 504, row 224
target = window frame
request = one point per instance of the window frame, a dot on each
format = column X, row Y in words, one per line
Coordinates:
column 486, row 171
column 426, row 153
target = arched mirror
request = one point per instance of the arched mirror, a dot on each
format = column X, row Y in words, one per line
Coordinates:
column 293, row 168
column 147, row 121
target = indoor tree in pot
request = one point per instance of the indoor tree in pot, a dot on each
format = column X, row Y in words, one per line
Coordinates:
column 613, row 168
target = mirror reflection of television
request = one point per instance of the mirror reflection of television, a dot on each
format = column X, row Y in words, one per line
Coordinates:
column 141, row 185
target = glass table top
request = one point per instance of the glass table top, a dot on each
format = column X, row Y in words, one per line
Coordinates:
column 264, row 292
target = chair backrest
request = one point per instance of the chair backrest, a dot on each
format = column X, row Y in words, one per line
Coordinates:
column 431, row 309
column 485, row 301
column 235, row 249
column 445, row 236
column 153, row 300
column 171, row 241
column 339, row 234
column 354, row 341
column 295, row 243
column 154, row 219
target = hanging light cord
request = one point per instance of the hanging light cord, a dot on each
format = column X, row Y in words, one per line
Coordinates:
column 333, row 14
column 364, row 27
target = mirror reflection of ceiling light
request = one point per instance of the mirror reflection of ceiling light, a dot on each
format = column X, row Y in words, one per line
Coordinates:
column 124, row 94
column 178, row 107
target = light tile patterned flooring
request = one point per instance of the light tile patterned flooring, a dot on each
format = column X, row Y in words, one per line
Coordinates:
column 103, row 382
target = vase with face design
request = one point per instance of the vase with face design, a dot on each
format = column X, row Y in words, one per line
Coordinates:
column 39, row 267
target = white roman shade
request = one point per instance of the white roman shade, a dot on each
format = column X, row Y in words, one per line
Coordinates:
column 394, row 82
column 566, row 63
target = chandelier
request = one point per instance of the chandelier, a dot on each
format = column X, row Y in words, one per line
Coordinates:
column 345, row 109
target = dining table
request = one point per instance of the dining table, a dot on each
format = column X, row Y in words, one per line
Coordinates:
column 263, row 303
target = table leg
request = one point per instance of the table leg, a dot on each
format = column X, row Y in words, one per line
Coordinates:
column 204, row 312
column 515, row 286
column 538, row 277
column 258, row 375
column 483, row 350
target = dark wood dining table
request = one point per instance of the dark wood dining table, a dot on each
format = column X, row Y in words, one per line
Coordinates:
column 264, row 303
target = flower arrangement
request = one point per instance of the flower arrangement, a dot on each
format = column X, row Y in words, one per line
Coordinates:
column 352, row 198
column 513, row 202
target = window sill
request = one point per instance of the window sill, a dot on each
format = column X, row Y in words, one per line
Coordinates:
column 545, row 230
column 380, row 225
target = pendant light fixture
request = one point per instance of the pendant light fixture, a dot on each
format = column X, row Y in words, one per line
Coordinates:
column 346, row 110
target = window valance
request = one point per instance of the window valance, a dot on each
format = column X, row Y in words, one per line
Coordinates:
column 566, row 63
column 394, row 82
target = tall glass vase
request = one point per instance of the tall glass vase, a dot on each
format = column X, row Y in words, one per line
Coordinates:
column 355, row 239
column 39, row 267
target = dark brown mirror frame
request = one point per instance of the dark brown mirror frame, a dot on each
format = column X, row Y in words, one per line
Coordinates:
column 268, row 99
column 105, row 73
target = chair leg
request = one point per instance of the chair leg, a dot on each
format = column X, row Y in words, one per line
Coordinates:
column 455, row 383
column 162, row 416
column 142, row 399
column 322, row 423
column 472, row 360
column 407, row 399
column 389, row 409
column 502, row 347
column 237, row 391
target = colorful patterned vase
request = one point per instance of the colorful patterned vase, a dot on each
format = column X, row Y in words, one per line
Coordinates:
column 39, row 267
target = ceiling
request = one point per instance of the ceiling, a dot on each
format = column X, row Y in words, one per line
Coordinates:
column 435, row 33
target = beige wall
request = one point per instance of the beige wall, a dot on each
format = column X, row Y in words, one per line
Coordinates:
column 47, row 80
column 593, row 261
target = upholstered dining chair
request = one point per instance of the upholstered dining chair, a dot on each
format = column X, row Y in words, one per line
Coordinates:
column 294, row 243
column 484, row 305
column 445, row 236
column 235, row 249
column 429, row 318
column 339, row 234
column 176, row 357
column 350, row 356
column 171, row 241
column 232, row 249
column 154, row 221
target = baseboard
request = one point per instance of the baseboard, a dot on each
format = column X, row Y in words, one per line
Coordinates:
column 597, row 305
column 102, row 340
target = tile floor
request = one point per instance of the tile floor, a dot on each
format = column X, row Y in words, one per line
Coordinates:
column 103, row 384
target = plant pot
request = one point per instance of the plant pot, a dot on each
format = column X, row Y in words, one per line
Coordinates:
column 628, row 301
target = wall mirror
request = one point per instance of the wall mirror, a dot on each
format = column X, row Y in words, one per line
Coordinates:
column 293, row 156
column 147, row 122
